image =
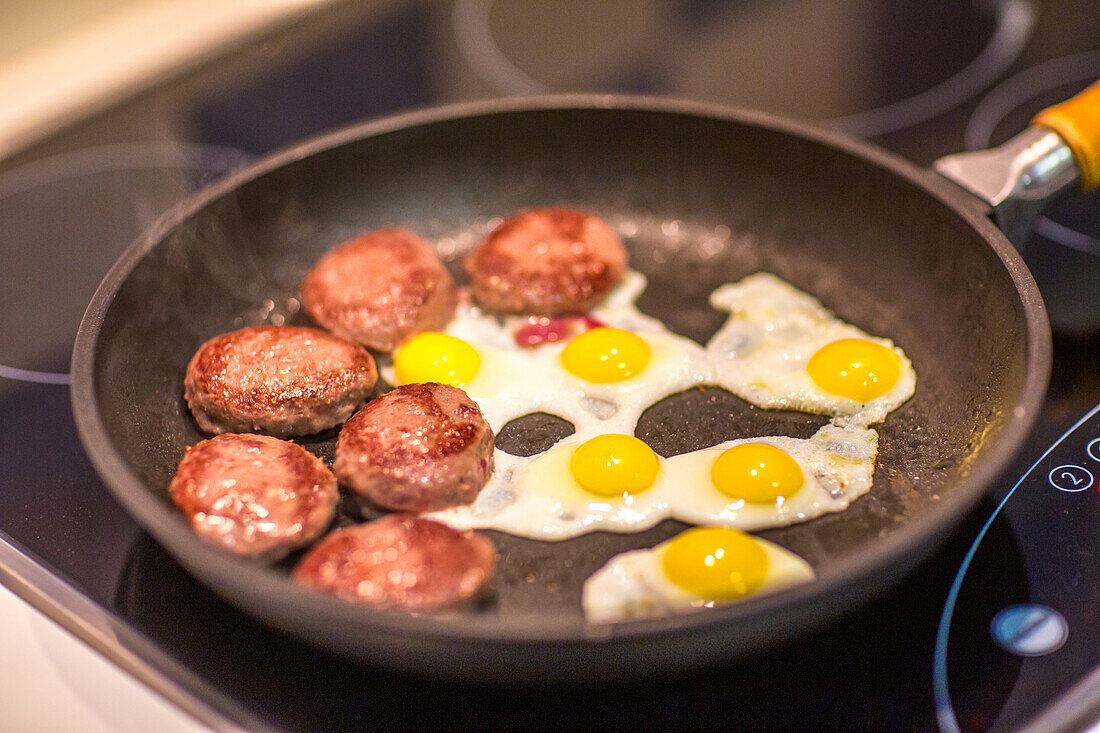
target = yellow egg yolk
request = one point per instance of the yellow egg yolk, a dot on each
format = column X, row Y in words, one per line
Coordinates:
column 614, row 464
column 605, row 354
column 756, row 472
column 715, row 563
column 436, row 357
column 858, row 369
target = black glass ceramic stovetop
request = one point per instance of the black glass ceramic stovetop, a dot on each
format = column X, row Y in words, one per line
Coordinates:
column 923, row 82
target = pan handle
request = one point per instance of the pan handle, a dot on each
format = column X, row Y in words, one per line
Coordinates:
column 1077, row 121
column 1022, row 177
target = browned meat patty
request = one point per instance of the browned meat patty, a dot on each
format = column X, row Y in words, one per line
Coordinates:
column 379, row 289
column 419, row 448
column 399, row 562
column 279, row 380
column 253, row 494
column 545, row 262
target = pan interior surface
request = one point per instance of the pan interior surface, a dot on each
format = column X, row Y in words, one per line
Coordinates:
column 700, row 201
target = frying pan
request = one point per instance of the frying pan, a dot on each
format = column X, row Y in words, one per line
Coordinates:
column 703, row 195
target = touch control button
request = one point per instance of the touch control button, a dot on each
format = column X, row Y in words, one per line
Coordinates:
column 1094, row 449
column 1070, row 478
column 1029, row 630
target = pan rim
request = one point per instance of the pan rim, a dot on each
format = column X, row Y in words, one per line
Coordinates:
column 904, row 546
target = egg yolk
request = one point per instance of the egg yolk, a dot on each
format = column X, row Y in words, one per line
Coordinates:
column 436, row 357
column 756, row 472
column 614, row 464
column 605, row 354
column 858, row 369
column 715, row 563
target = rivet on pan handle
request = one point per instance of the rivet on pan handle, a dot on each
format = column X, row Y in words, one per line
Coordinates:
column 1022, row 177
column 1077, row 121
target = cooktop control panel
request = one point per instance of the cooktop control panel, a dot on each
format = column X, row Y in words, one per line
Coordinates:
column 1042, row 639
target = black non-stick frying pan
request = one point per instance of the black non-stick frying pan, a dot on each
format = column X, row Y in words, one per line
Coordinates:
column 703, row 195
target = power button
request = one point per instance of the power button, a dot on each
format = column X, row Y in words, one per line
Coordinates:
column 1029, row 630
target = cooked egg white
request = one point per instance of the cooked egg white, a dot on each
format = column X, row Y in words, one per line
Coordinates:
column 737, row 484
column 617, row 483
column 540, row 496
column 600, row 380
column 781, row 349
column 698, row 569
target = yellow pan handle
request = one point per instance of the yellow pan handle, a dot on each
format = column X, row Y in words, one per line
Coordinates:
column 1078, row 122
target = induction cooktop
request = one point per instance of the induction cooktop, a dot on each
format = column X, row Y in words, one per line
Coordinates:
column 997, row 630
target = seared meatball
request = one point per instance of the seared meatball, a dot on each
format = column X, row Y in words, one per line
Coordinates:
column 379, row 289
column 419, row 448
column 253, row 494
column 399, row 562
column 279, row 380
column 546, row 262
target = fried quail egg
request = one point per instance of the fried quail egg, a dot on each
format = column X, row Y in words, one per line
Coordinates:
column 753, row 483
column 781, row 349
column 606, row 482
column 697, row 569
column 615, row 482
